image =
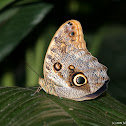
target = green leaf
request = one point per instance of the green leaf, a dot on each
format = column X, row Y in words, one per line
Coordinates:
column 4, row 3
column 19, row 107
column 26, row 2
column 16, row 23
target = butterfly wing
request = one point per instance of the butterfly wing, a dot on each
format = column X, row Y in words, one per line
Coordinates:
column 70, row 71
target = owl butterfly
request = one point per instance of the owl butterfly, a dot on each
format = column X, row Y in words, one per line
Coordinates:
column 70, row 71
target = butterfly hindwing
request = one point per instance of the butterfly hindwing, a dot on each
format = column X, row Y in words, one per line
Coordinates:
column 71, row 71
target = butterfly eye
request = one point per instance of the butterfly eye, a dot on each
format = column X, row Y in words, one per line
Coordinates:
column 79, row 79
column 57, row 66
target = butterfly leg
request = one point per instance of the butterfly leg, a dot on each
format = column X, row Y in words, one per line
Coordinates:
column 40, row 87
column 38, row 90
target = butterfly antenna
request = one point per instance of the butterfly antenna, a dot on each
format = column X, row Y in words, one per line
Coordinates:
column 32, row 69
column 39, row 88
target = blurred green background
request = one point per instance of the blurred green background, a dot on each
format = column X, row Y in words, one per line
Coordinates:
column 27, row 27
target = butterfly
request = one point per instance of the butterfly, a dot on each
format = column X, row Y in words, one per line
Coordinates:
column 70, row 71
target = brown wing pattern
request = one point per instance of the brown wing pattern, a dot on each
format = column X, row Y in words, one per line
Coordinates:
column 69, row 69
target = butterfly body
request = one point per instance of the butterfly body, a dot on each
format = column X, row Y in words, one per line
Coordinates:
column 70, row 71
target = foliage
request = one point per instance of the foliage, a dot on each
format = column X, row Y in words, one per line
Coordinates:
column 20, row 108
